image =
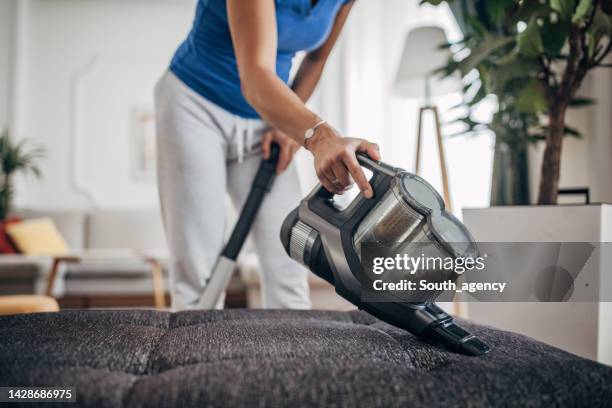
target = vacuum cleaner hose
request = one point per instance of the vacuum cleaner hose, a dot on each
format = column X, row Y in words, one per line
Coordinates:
column 261, row 185
column 224, row 267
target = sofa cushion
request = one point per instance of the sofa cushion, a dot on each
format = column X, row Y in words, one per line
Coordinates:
column 134, row 229
column 282, row 358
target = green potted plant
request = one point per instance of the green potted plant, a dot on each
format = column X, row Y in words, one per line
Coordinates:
column 533, row 55
column 14, row 158
column 487, row 38
column 536, row 60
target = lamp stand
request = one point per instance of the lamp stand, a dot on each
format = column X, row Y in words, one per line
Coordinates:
column 441, row 155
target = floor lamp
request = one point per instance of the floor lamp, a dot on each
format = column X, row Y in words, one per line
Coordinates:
column 421, row 55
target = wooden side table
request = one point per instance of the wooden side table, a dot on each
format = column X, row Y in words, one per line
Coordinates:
column 158, row 281
column 154, row 263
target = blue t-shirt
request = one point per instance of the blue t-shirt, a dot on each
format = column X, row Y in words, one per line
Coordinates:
column 205, row 61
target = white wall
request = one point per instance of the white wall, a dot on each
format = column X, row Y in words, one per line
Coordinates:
column 6, row 26
column 71, row 71
column 84, row 66
column 372, row 46
column 599, row 147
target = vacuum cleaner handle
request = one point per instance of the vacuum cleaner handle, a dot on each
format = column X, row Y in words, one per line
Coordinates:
column 375, row 166
column 379, row 171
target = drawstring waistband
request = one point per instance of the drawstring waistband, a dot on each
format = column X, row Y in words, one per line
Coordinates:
column 244, row 136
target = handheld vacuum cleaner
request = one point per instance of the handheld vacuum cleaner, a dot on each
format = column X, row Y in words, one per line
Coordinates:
column 224, row 267
column 405, row 212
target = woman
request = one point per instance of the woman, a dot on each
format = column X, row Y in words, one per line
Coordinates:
column 224, row 100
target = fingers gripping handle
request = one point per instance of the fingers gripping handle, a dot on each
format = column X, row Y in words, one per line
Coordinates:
column 377, row 168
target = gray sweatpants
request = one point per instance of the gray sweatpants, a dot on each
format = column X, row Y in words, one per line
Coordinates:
column 205, row 151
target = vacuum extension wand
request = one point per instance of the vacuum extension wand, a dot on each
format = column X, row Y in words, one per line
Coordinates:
column 224, row 267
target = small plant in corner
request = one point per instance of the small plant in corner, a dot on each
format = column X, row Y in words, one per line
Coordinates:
column 14, row 158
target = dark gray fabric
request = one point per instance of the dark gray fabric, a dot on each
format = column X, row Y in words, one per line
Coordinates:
column 282, row 358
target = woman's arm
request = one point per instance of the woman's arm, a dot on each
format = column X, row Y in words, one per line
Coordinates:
column 312, row 65
column 304, row 84
column 253, row 28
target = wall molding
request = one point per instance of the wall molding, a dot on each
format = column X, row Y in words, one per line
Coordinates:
column 17, row 102
column 78, row 182
column 80, row 79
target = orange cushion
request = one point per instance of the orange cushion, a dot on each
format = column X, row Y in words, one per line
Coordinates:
column 16, row 304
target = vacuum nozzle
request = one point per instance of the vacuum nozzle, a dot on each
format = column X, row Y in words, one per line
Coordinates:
column 457, row 339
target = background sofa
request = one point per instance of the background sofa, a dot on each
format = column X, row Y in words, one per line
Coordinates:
column 115, row 242
column 115, row 273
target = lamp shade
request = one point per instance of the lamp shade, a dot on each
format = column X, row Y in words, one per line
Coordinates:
column 421, row 56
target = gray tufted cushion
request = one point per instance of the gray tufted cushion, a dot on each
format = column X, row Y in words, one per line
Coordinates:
column 282, row 358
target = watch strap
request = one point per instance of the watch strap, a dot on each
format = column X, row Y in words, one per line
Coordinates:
column 309, row 133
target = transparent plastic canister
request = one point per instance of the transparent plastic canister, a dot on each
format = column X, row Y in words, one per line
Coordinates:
column 410, row 220
column 400, row 213
column 390, row 223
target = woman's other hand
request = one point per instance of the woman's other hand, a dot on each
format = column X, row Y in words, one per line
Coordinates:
column 288, row 147
column 335, row 160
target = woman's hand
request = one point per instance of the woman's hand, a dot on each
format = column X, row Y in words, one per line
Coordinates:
column 288, row 147
column 335, row 160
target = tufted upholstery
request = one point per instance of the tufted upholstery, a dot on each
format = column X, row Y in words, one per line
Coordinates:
column 282, row 358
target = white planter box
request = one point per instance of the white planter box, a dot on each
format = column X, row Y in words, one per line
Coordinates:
column 583, row 328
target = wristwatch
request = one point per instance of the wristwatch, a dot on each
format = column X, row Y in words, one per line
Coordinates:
column 311, row 132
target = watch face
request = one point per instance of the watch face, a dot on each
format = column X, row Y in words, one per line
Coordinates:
column 308, row 133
